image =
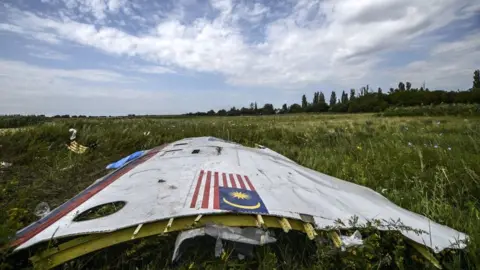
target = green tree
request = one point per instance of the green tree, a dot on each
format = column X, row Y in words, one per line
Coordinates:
column 352, row 94
column 379, row 91
column 304, row 102
column 476, row 79
column 409, row 86
column 233, row 111
column 401, row 86
column 333, row 98
column 284, row 108
column 295, row 108
column 315, row 98
column 268, row 109
column 321, row 98
column 344, row 99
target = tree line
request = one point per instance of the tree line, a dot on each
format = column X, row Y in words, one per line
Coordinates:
column 15, row 121
column 364, row 99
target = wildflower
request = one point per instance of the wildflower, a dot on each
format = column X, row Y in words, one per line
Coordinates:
column 449, row 148
column 436, row 146
column 359, row 147
column 410, row 144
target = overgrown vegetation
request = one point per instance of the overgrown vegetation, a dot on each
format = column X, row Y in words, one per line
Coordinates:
column 434, row 110
column 429, row 165
column 15, row 121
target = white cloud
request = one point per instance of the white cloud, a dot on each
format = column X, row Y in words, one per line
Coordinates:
column 339, row 41
column 13, row 71
column 152, row 69
column 11, row 28
column 53, row 91
column 46, row 53
column 449, row 63
column 30, row 89
column 316, row 41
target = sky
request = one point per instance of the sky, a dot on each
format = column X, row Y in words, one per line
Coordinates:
column 118, row 57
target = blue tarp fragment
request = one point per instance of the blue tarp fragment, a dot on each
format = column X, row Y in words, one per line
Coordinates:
column 121, row 162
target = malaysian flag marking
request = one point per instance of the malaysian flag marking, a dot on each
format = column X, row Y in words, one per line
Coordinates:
column 226, row 191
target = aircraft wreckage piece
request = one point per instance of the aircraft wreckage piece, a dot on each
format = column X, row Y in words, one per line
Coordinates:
column 194, row 181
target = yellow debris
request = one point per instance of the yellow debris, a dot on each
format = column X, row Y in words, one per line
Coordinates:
column 311, row 233
column 285, row 224
column 77, row 148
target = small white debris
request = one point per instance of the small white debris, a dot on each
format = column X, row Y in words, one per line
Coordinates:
column 354, row 240
column 42, row 209
column 74, row 134
column 67, row 168
column 4, row 164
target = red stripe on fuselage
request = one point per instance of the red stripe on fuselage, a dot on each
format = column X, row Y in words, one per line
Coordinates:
column 197, row 189
column 206, row 192
column 224, row 176
column 249, row 183
column 216, row 200
column 117, row 174
column 232, row 180
column 242, row 185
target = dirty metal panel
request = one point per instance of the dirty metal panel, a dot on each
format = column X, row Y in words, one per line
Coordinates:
column 224, row 177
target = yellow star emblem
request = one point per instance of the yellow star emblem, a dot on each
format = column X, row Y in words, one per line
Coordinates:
column 240, row 195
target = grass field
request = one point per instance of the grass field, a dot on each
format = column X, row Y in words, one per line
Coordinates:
column 429, row 165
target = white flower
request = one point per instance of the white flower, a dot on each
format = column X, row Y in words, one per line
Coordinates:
column 410, row 144
column 449, row 149
column 436, row 146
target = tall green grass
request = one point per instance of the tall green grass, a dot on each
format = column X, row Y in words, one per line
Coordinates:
column 434, row 110
column 424, row 164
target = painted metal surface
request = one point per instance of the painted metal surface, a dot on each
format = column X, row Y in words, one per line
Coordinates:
column 205, row 175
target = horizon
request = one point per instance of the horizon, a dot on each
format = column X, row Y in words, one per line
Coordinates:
column 118, row 57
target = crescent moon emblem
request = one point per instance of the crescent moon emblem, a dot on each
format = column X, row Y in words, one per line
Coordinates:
column 242, row 206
